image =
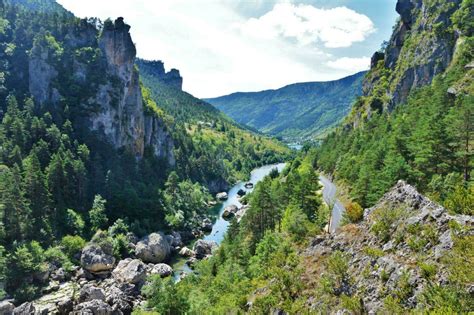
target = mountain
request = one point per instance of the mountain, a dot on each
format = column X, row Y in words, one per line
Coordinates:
column 403, row 162
column 296, row 111
column 90, row 152
column 414, row 119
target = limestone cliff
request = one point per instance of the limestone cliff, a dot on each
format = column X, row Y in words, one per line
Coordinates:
column 112, row 98
column 156, row 69
column 422, row 45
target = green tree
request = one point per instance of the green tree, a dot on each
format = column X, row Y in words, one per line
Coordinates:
column 97, row 216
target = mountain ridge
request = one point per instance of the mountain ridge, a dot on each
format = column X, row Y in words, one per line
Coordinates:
column 295, row 111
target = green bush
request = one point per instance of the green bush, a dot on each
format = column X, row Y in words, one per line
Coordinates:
column 75, row 223
column 72, row 244
column 163, row 296
column 354, row 212
column 57, row 257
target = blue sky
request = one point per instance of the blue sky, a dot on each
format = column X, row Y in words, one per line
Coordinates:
column 224, row 46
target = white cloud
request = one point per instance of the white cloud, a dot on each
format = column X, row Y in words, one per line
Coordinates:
column 350, row 64
column 209, row 41
column 336, row 27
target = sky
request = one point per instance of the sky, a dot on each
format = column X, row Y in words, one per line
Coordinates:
column 225, row 46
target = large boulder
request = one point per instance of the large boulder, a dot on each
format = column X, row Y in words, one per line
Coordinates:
column 186, row 252
column 130, row 271
column 95, row 260
column 6, row 308
column 25, row 308
column 230, row 211
column 163, row 270
column 89, row 292
column 222, row 196
column 204, row 248
column 153, row 248
column 94, row 307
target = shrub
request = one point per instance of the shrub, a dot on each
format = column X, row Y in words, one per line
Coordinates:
column 72, row 245
column 119, row 227
column 428, row 271
column 57, row 257
column 120, row 245
column 25, row 261
column 384, row 219
column 295, row 222
column 163, row 296
column 75, row 222
column 354, row 212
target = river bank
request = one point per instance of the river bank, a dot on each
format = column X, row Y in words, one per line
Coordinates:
column 220, row 225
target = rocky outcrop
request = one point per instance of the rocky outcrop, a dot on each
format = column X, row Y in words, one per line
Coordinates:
column 89, row 292
column 414, row 65
column 41, row 74
column 130, row 271
column 204, row 248
column 114, row 102
column 94, row 259
column 156, row 69
column 383, row 251
column 230, row 211
column 153, row 248
column 6, row 308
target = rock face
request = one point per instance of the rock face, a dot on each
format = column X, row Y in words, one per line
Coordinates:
column 413, row 66
column 95, row 260
column 130, row 271
column 122, row 118
column 153, row 248
column 6, row 308
column 156, row 68
column 115, row 102
column 90, row 292
column 380, row 259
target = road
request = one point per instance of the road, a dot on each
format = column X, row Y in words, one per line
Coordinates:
column 329, row 196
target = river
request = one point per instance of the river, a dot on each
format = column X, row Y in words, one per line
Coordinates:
column 220, row 226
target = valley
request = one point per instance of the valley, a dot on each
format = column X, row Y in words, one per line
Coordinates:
column 122, row 193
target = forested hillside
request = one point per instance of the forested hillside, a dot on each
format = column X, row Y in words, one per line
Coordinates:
column 405, row 252
column 85, row 145
column 298, row 111
column 415, row 119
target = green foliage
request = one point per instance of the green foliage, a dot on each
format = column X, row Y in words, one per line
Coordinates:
column 163, row 296
column 354, row 212
column 384, row 222
column 414, row 142
column 462, row 19
column 3, row 269
column 183, row 201
column 296, row 111
column 295, row 222
column 97, row 216
column 461, row 200
column 72, row 245
column 57, row 257
column 74, row 221
column 23, row 264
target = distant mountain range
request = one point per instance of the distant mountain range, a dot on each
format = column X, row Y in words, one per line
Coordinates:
column 294, row 112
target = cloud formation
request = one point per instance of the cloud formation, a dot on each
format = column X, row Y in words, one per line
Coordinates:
column 220, row 49
column 351, row 64
column 335, row 28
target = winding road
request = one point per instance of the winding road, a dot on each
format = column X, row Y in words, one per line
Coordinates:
column 329, row 196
